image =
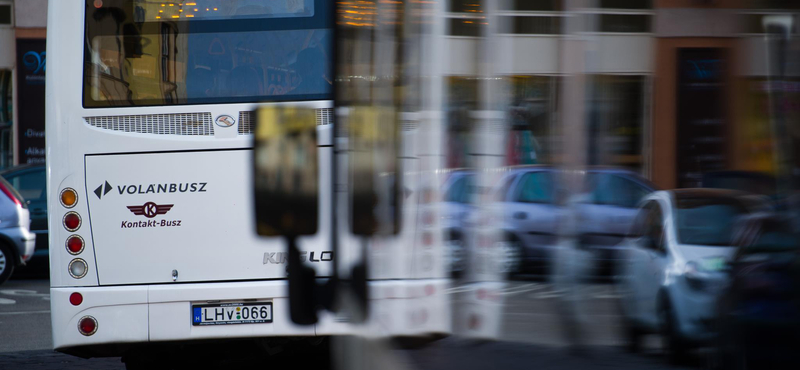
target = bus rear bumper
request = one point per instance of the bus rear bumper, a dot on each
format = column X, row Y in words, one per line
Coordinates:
column 156, row 313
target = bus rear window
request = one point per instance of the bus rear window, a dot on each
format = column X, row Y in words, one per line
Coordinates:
column 139, row 53
column 165, row 10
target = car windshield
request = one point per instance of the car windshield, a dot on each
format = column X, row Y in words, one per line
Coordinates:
column 707, row 221
column 775, row 236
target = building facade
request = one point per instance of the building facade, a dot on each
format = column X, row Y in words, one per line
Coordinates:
column 22, row 68
column 670, row 88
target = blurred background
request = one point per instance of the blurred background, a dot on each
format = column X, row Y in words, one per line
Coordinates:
column 564, row 183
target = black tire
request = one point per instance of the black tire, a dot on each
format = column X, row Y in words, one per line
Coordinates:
column 460, row 271
column 675, row 347
column 633, row 336
column 7, row 263
column 514, row 248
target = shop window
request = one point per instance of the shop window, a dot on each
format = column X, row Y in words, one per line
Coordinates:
column 537, row 5
column 774, row 4
column 534, row 25
column 616, row 123
column 465, row 27
column 466, row 6
column 462, row 101
column 627, row 23
column 5, row 14
column 626, row 4
column 532, row 117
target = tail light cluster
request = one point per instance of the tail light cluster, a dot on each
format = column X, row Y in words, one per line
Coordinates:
column 428, row 230
column 75, row 244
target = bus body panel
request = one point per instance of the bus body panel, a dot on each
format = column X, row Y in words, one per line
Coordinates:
column 121, row 314
column 186, row 217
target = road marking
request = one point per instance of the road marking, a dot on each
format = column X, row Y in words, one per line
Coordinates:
column 522, row 289
column 25, row 293
column 22, row 292
column 459, row 289
column 556, row 314
column 22, row 313
column 7, row 301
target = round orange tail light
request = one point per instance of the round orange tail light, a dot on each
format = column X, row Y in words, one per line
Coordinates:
column 69, row 197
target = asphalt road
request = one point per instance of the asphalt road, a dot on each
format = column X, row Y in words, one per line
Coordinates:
column 532, row 335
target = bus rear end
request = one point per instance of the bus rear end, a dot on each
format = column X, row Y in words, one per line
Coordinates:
column 149, row 167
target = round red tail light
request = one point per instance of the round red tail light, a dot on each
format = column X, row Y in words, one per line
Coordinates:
column 87, row 325
column 72, row 221
column 75, row 298
column 75, row 244
column 427, row 239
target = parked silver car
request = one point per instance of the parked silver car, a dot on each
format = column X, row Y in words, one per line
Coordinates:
column 16, row 240
column 533, row 206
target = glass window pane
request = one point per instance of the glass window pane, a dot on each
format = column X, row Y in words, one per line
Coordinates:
column 618, row 191
column 537, row 5
column 537, row 187
column 465, row 27
column 5, row 14
column 635, row 23
column 532, row 112
column 626, row 4
column 465, row 6
column 205, row 61
column 617, row 120
column 454, row 194
column 31, row 185
column 702, row 221
column 167, row 10
column 535, row 25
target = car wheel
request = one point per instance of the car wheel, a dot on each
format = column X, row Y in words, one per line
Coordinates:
column 673, row 344
column 6, row 263
column 511, row 261
column 458, row 257
column 633, row 336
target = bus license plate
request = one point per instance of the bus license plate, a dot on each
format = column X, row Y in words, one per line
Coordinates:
column 232, row 313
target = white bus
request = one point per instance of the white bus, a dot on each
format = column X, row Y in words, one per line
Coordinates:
column 149, row 134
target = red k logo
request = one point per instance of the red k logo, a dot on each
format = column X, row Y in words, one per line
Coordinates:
column 150, row 209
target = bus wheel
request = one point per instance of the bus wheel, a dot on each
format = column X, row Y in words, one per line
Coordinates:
column 6, row 263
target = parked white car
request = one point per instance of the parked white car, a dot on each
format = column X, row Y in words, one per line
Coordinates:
column 674, row 266
column 17, row 242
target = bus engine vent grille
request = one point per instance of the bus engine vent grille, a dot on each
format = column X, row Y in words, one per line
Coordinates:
column 194, row 124
column 247, row 120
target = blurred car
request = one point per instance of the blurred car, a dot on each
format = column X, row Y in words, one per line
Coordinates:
column 759, row 311
column 607, row 213
column 527, row 200
column 674, row 269
column 16, row 241
column 529, row 197
column 30, row 182
column 456, row 208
